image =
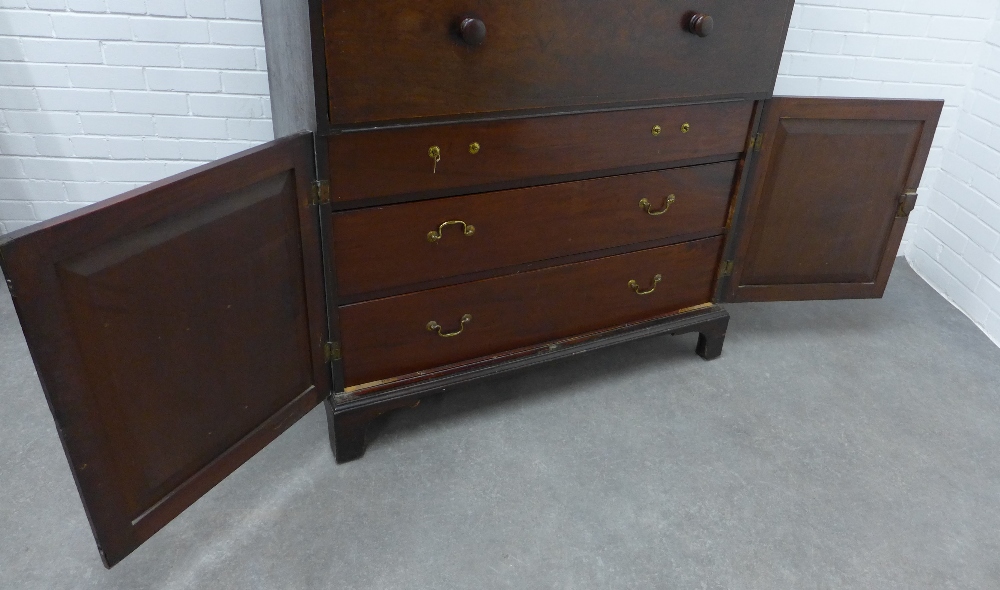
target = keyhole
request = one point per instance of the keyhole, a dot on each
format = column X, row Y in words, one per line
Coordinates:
column 435, row 154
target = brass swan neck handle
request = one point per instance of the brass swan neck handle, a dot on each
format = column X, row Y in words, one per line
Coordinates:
column 634, row 285
column 646, row 206
column 435, row 236
column 433, row 326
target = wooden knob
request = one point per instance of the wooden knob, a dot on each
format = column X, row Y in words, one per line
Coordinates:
column 700, row 24
column 472, row 31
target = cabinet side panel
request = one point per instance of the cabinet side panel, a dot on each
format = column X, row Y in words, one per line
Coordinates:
column 289, row 66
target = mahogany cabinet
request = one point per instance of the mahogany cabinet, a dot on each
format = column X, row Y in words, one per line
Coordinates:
column 460, row 188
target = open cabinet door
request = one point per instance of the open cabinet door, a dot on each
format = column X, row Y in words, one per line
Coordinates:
column 176, row 330
column 827, row 198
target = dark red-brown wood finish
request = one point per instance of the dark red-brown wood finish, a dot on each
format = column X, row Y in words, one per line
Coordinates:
column 822, row 215
column 177, row 329
column 475, row 157
column 394, row 336
column 398, row 59
column 404, row 245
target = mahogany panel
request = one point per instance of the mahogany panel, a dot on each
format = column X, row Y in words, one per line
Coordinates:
column 388, row 162
column 398, row 59
column 386, row 247
column 176, row 330
column 822, row 219
column 392, row 336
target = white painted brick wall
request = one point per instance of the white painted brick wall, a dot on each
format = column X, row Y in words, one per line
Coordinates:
column 100, row 96
column 957, row 245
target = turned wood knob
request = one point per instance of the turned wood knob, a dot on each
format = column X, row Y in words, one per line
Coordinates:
column 700, row 24
column 472, row 31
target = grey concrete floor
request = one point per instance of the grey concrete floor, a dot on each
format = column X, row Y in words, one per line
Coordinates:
column 834, row 445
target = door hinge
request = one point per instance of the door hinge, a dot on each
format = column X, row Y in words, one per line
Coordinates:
column 756, row 141
column 907, row 202
column 320, row 193
column 727, row 269
column 10, row 287
column 331, row 351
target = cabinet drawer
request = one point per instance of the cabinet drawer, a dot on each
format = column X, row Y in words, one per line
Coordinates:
column 476, row 157
column 399, row 59
column 395, row 336
column 389, row 247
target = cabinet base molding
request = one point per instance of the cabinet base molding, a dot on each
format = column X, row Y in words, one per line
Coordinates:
column 349, row 415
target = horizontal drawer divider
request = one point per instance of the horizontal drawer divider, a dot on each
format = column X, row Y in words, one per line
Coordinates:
column 537, row 265
column 334, row 130
column 338, row 207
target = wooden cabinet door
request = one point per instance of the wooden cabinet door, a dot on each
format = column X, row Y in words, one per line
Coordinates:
column 831, row 184
column 176, row 330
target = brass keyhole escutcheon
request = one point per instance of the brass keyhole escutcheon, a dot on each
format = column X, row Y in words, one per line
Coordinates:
column 435, row 153
column 433, row 326
column 646, row 206
column 634, row 285
column 685, row 128
column 474, row 148
column 657, row 130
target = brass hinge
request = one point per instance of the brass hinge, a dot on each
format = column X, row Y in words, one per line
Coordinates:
column 907, row 202
column 320, row 193
column 756, row 141
column 331, row 351
column 727, row 269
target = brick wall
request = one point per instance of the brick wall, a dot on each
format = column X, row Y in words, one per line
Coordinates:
column 100, row 96
column 956, row 248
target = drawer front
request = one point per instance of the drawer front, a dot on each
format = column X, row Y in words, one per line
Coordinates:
column 394, row 336
column 503, row 154
column 390, row 247
column 399, row 59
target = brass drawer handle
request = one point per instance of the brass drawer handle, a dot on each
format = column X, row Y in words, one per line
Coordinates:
column 646, row 206
column 635, row 285
column 434, row 236
column 432, row 326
